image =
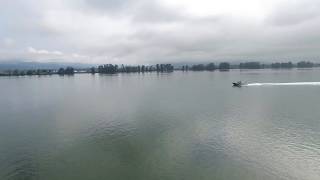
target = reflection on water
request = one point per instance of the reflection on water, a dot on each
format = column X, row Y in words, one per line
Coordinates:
column 160, row 126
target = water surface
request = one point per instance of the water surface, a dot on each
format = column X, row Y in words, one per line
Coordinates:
column 160, row 126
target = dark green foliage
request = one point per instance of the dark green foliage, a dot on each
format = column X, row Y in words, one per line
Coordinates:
column 22, row 73
column 185, row 68
column 29, row 72
column 161, row 67
column 61, row 71
column 15, row 72
column 168, row 68
column 250, row 65
column 39, row 72
column 108, row 69
column 276, row 65
column 113, row 69
column 305, row 64
column 198, row 67
column 210, row 67
column 69, row 70
column 224, row 66
column 287, row 65
column 92, row 70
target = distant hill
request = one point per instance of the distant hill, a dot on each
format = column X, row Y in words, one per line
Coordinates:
column 38, row 65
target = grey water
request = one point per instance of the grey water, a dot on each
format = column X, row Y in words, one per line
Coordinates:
column 191, row 126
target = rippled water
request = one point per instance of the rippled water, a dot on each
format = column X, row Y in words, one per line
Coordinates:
column 160, row 126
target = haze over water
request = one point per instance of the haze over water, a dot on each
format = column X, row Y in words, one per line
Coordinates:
column 190, row 125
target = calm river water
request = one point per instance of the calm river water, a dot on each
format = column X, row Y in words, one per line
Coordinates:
column 178, row 126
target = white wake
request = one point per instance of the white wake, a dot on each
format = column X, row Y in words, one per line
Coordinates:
column 285, row 84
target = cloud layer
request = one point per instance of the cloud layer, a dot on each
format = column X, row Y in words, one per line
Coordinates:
column 152, row 31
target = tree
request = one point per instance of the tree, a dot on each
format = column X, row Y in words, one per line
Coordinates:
column 250, row 65
column 29, row 72
column 161, row 67
column 198, row 67
column 275, row 65
column 210, row 67
column 304, row 64
column 69, row 71
column 61, row 71
column 224, row 66
column 92, row 70
column 15, row 72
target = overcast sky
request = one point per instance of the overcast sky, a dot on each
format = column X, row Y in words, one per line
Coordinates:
column 155, row 31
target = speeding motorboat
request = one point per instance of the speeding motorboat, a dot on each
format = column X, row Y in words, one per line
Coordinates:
column 237, row 84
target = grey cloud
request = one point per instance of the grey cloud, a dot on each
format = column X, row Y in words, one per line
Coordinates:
column 109, row 5
column 151, row 31
column 295, row 12
column 138, row 10
column 152, row 11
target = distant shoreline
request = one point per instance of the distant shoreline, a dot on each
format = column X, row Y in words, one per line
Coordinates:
column 160, row 68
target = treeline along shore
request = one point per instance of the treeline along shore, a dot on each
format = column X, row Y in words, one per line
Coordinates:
column 114, row 69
